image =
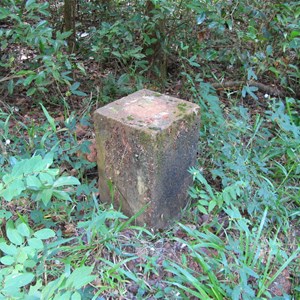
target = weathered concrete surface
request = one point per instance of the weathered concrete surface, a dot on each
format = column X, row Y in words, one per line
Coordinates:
column 146, row 142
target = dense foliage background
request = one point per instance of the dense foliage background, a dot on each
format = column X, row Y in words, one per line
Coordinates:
column 239, row 236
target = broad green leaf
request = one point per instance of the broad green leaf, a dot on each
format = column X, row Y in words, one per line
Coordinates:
column 69, row 67
column 62, row 195
column 31, row 91
column 35, row 290
column 233, row 213
column 232, row 192
column 46, row 178
column 48, row 159
column 41, row 79
column 250, row 272
column 274, row 70
column 29, row 3
column 202, row 209
column 36, row 243
column 117, row 54
column 203, row 202
column 28, row 250
column 192, row 61
column 44, row 234
column 80, row 277
column 56, row 74
column 229, row 24
column 49, row 118
column 63, row 36
column 33, row 182
column 4, row 214
column 79, row 93
column 18, row 168
column 29, row 263
column 28, row 80
column 67, row 180
column 243, row 225
column 74, row 86
column 53, row 172
column 41, row 25
column 211, row 205
column 14, row 189
column 244, row 92
column 251, row 74
column 23, row 229
column 18, row 280
column 52, row 286
column 22, row 256
column 46, row 196
column 7, row 260
column 7, row 179
column 32, row 165
column 291, row 153
column 76, row 296
column 12, row 233
column 250, row 90
column 63, row 296
column 226, row 196
column 81, row 68
column 8, row 249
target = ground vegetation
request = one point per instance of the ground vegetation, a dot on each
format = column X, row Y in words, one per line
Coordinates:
column 238, row 238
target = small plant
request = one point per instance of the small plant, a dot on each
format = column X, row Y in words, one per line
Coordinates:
column 98, row 226
column 208, row 200
column 114, row 88
column 34, row 177
column 242, row 268
column 20, row 257
column 248, row 162
column 43, row 59
column 25, row 255
column 223, row 55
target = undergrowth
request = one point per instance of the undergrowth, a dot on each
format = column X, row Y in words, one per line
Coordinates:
column 239, row 251
column 238, row 239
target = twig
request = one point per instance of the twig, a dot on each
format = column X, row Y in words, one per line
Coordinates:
column 262, row 87
column 10, row 77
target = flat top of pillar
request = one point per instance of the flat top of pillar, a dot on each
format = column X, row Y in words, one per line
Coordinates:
column 148, row 109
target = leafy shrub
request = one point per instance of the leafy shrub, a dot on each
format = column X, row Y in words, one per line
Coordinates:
column 23, row 262
column 59, row 139
column 32, row 57
column 20, row 257
column 248, row 162
column 35, row 177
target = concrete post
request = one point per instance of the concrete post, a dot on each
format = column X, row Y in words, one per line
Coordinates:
column 145, row 143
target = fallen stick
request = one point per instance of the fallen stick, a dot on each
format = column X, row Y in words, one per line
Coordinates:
column 262, row 87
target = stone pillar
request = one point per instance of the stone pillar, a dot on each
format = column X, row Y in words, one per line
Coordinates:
column 146, row 142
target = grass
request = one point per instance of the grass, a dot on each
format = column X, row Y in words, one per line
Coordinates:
column 238, row 239
column 238, row 252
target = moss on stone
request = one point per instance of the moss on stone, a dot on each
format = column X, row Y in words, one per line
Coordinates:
column 155, row 128
column 145, row 137
column 182, row 107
